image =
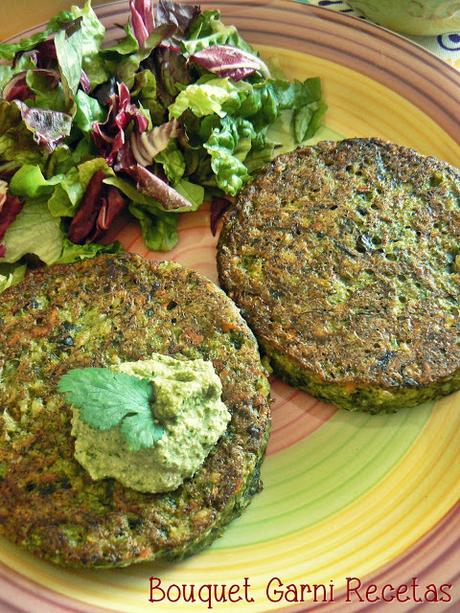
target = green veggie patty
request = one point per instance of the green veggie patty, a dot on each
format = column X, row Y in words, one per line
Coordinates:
column 344, row 259
column 100, row 313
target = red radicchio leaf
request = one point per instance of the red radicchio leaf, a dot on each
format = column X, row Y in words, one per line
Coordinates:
column 112, row 205
column 43, row 56
column 17, row 88
column 142, row 19
column 228, row 61
column 46, row 54
column 85, row 218
column 98, row 208
column 151, row 185
column 125, row 159
column 49, row 128
column 109, row 137
column 10, row 206
column 219, row 206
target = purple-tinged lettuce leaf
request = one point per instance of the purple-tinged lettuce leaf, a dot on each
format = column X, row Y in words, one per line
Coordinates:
column 84, row 219
column 17, row 88
column 147, row 145
column 112, row 204
column 49, row 128
column 141, row 19
column 85, row 83
column 69, row 192
column 151, row 185
column 227, row 61
column 45, row 54
column 10, row 207
column 17, row 144
column 100, row 205
column 172, row 72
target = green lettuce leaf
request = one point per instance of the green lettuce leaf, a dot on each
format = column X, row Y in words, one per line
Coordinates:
column 69, row 192
column 159, row 230
column 145, row 89
column 126, row 66
column 75, row 253
column 92, row 37
column 45, row 97
column 88, row 111
column 173, row 162
column 307, row 120
column 125, row 46
column 69, row 51
column 6, row 74
column 208, row 29
column 11, row 274
column 191, row 191
column 207, row 97
column 33, row 231
column 228, row 148
column 29, row 182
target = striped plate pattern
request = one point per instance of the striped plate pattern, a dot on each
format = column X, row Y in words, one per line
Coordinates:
column 345, row 495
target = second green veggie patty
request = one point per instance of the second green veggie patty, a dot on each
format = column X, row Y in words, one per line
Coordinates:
column 344, row 259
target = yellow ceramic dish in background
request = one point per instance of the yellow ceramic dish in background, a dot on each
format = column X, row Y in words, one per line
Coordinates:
column 345, row 494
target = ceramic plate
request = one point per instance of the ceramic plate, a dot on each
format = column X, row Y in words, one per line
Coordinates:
column 345, row 495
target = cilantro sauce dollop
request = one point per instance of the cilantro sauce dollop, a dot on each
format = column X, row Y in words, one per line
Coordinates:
column 148, row 424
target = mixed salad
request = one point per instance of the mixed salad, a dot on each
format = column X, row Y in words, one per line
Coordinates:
column 177, row 112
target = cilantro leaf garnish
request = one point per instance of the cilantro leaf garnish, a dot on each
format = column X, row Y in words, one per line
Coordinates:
column 106, row 399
